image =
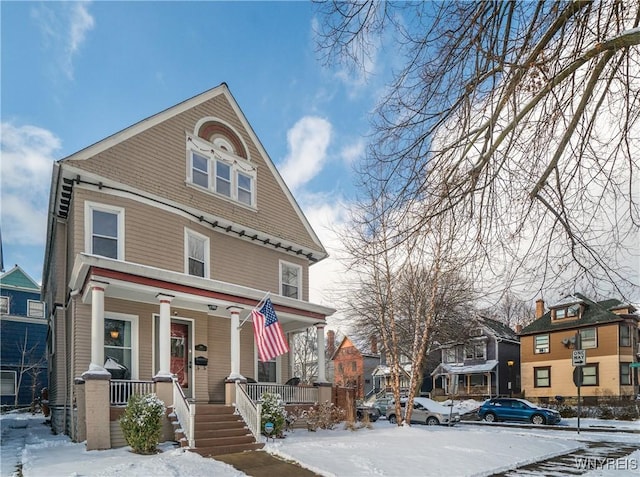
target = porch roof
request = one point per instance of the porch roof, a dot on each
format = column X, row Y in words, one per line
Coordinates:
column 444, row 368
column 141, row 283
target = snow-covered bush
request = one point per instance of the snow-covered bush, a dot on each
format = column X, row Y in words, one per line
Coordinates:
column 273, row 411
column 141, row 422
column 323, row 416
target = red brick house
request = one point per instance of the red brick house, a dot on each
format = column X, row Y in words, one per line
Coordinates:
column 353, row 366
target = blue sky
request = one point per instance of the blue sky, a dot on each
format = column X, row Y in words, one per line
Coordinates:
column 75, row 73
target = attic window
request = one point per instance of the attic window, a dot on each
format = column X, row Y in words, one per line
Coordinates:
column 212, row 167
column 571, row 311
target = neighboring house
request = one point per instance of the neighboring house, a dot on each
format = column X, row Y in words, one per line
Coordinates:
column 609, row 333
column 353, row 366
column 23, row 332
column 161, row 240
column 487, row 363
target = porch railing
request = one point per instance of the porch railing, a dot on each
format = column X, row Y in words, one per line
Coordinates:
column 250, row 410
column 120, row 390
column 289, row 394
column 185, row 411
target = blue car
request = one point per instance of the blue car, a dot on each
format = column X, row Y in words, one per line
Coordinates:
column 521, row 410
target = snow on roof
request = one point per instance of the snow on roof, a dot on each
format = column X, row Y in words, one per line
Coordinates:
column 444, row 368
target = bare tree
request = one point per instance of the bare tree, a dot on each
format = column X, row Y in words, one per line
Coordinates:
column 31, row 364
column 517, row 119
column 513, row 311
column 403, row 291
column 305, row 355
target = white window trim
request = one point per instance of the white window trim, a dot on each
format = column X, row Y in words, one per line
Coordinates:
column 283, row 263
column 135, row 347
column 207, row 245
column 89, row 207
column 15, row 381
column 214, row 154
column 31, row 315
column 6, row 298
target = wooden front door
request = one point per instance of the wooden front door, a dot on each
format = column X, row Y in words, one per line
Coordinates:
column 180, row 354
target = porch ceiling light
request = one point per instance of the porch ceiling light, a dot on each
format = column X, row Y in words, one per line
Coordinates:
column 212, row 307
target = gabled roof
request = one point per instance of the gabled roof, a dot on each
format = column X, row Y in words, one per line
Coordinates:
column 68, row 172
column 358, row 346
column 18, row 278
column 594, row 313
column 498, row 329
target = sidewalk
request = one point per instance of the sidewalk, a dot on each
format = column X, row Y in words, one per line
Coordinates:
column 262, row 464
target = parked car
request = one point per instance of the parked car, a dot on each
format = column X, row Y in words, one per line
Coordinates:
column 361, row 411
column 513, row 409
column 425, row 411
column 382, row 404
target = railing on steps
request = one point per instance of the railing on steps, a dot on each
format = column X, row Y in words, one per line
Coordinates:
column 289, row 394
column 120, row 390
column 250, row 410
column 185, row 411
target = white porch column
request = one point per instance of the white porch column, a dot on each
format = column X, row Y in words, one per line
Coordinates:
column 321, row 361
column 97, row 321
column 164, row 334
column 235, row 342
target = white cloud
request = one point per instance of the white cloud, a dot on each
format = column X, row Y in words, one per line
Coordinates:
column 25, row 174
column 353, row 152
column 308, row 142
column 64, row 27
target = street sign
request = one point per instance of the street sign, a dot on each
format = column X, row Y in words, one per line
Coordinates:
column 577, row 377
column 579, row 357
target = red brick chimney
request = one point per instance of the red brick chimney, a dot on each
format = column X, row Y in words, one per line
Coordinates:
column 374, row 345
column 539, row 308
column 518, row 329
column 331, row 342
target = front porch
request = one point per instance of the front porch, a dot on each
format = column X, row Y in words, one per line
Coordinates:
column 469, row 381
column 201, row 426
column 150, row 330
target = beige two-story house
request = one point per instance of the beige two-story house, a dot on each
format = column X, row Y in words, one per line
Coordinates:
column 609, row 333
column 161, row 239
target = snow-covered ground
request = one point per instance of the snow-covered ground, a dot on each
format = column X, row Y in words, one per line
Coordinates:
column 384, row 450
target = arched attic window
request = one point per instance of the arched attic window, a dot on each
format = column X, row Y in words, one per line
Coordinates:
column 218, row 163
column 223, row 137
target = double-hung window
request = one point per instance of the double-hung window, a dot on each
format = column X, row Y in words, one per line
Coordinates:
column 245, row 188
column 542, row 377
column 35, row 309
column 199, row 169
column 4, row 305
column 104, row 230
column 290, row 280
column 625, row 335
column 8, row 383
column 196, row 254
column 541, row 344
column 223, row 178
column 590, row 375
column 588, row 338
column 625, row 374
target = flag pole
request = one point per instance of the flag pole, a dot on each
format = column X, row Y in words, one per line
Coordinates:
column 255, row 308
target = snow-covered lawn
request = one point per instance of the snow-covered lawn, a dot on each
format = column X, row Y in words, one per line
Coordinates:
column 384, row 450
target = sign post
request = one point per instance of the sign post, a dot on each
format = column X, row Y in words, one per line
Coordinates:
column 578, row 360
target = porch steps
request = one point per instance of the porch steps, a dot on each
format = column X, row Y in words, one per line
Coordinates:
column 219, row 431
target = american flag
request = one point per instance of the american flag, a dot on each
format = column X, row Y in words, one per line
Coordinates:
column 268, row 332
